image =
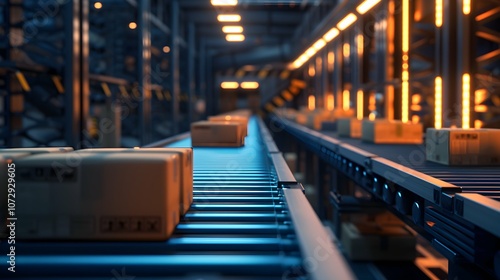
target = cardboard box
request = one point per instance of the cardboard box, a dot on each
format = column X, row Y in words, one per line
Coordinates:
column 38, row 150
column 329, row 126
column 341, row 113
column 349, row 127
column 301, row 118
column 243, row 121
column 315, row 118
column 8, row 167
column 98, row 196
column 241, row 112
column 391, row 132
column 456, row 146
column 186, row 168
column 374, row 242
column 217, row 134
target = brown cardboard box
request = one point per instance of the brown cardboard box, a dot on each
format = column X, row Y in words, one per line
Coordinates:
column 391, row 132
column 301, row 118
column 217, row 134
column 374, row 242
column 98, row 196
column 456, row 146
column 186, row 168
column 232, row 118
column 349, row 127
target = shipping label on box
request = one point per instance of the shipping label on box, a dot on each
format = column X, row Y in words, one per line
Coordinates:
column 455, row 146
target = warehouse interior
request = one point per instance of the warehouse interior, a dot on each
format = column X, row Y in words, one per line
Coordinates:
column 306, row 139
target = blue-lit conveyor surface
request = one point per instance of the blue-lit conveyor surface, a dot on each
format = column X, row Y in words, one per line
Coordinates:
column 238, row 227
column 458, row 206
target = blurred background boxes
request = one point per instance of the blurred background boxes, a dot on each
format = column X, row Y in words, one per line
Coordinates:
column 349, row 127
column 391, row 132
column 217, row 134
column 456, row 146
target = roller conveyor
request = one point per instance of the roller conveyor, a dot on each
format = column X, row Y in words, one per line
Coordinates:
column 473, row 179
column 457, row 206
column 238, row 226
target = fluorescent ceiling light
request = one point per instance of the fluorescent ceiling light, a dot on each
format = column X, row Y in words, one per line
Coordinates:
column 310, row 52
column 224, row 2
column 229, row 85
column 235, row 37
column 229, row 18
column 232, row 29
column 319, row 44
column 347, row 21
column 249, row 85
column 366, row 6
column 331, row 34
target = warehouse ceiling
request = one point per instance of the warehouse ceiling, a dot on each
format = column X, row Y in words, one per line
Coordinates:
column 268, row 28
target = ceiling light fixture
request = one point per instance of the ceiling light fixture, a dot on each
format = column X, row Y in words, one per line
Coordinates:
column 224, row 2
column 229, row 18
column 249, row 85
column 331, row 34
column 232, row 29
column 235, row 37
column 366, row 6
column 347, row 21
column 229, row 85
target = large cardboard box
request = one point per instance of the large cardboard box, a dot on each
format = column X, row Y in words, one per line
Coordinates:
column 456, row 146
column 217, row 134
column 8, row 180
column 349, row 127
column 38, row 150
column 375, row 242
column 8, row 157
column 98, row 196
column 186, row 168
column 391, row 132
column 242, row 120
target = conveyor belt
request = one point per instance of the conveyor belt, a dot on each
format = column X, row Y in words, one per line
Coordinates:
column 473, row 179
column 238, row 226
column 455, row 205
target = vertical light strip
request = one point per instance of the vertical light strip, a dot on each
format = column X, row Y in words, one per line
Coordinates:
column 466, row 100
column 331, row 60
column 330, row 102
column 359, row 104
column 438, row 102
column 439, row 13
column 360, row 43
column 466, row 7
column 311, row 102
column 346, row 49
column 405, row 88
column 406, row 25
column 345, row 100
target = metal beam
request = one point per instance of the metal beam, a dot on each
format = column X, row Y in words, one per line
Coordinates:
column 206, row 4
column 220, row 41
column 144, row 71
column 215, row 28
column 202, row 73
column 76, row 71
column 174, row 65
column 258, row 55
column 249, row 17
column 191, row 68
